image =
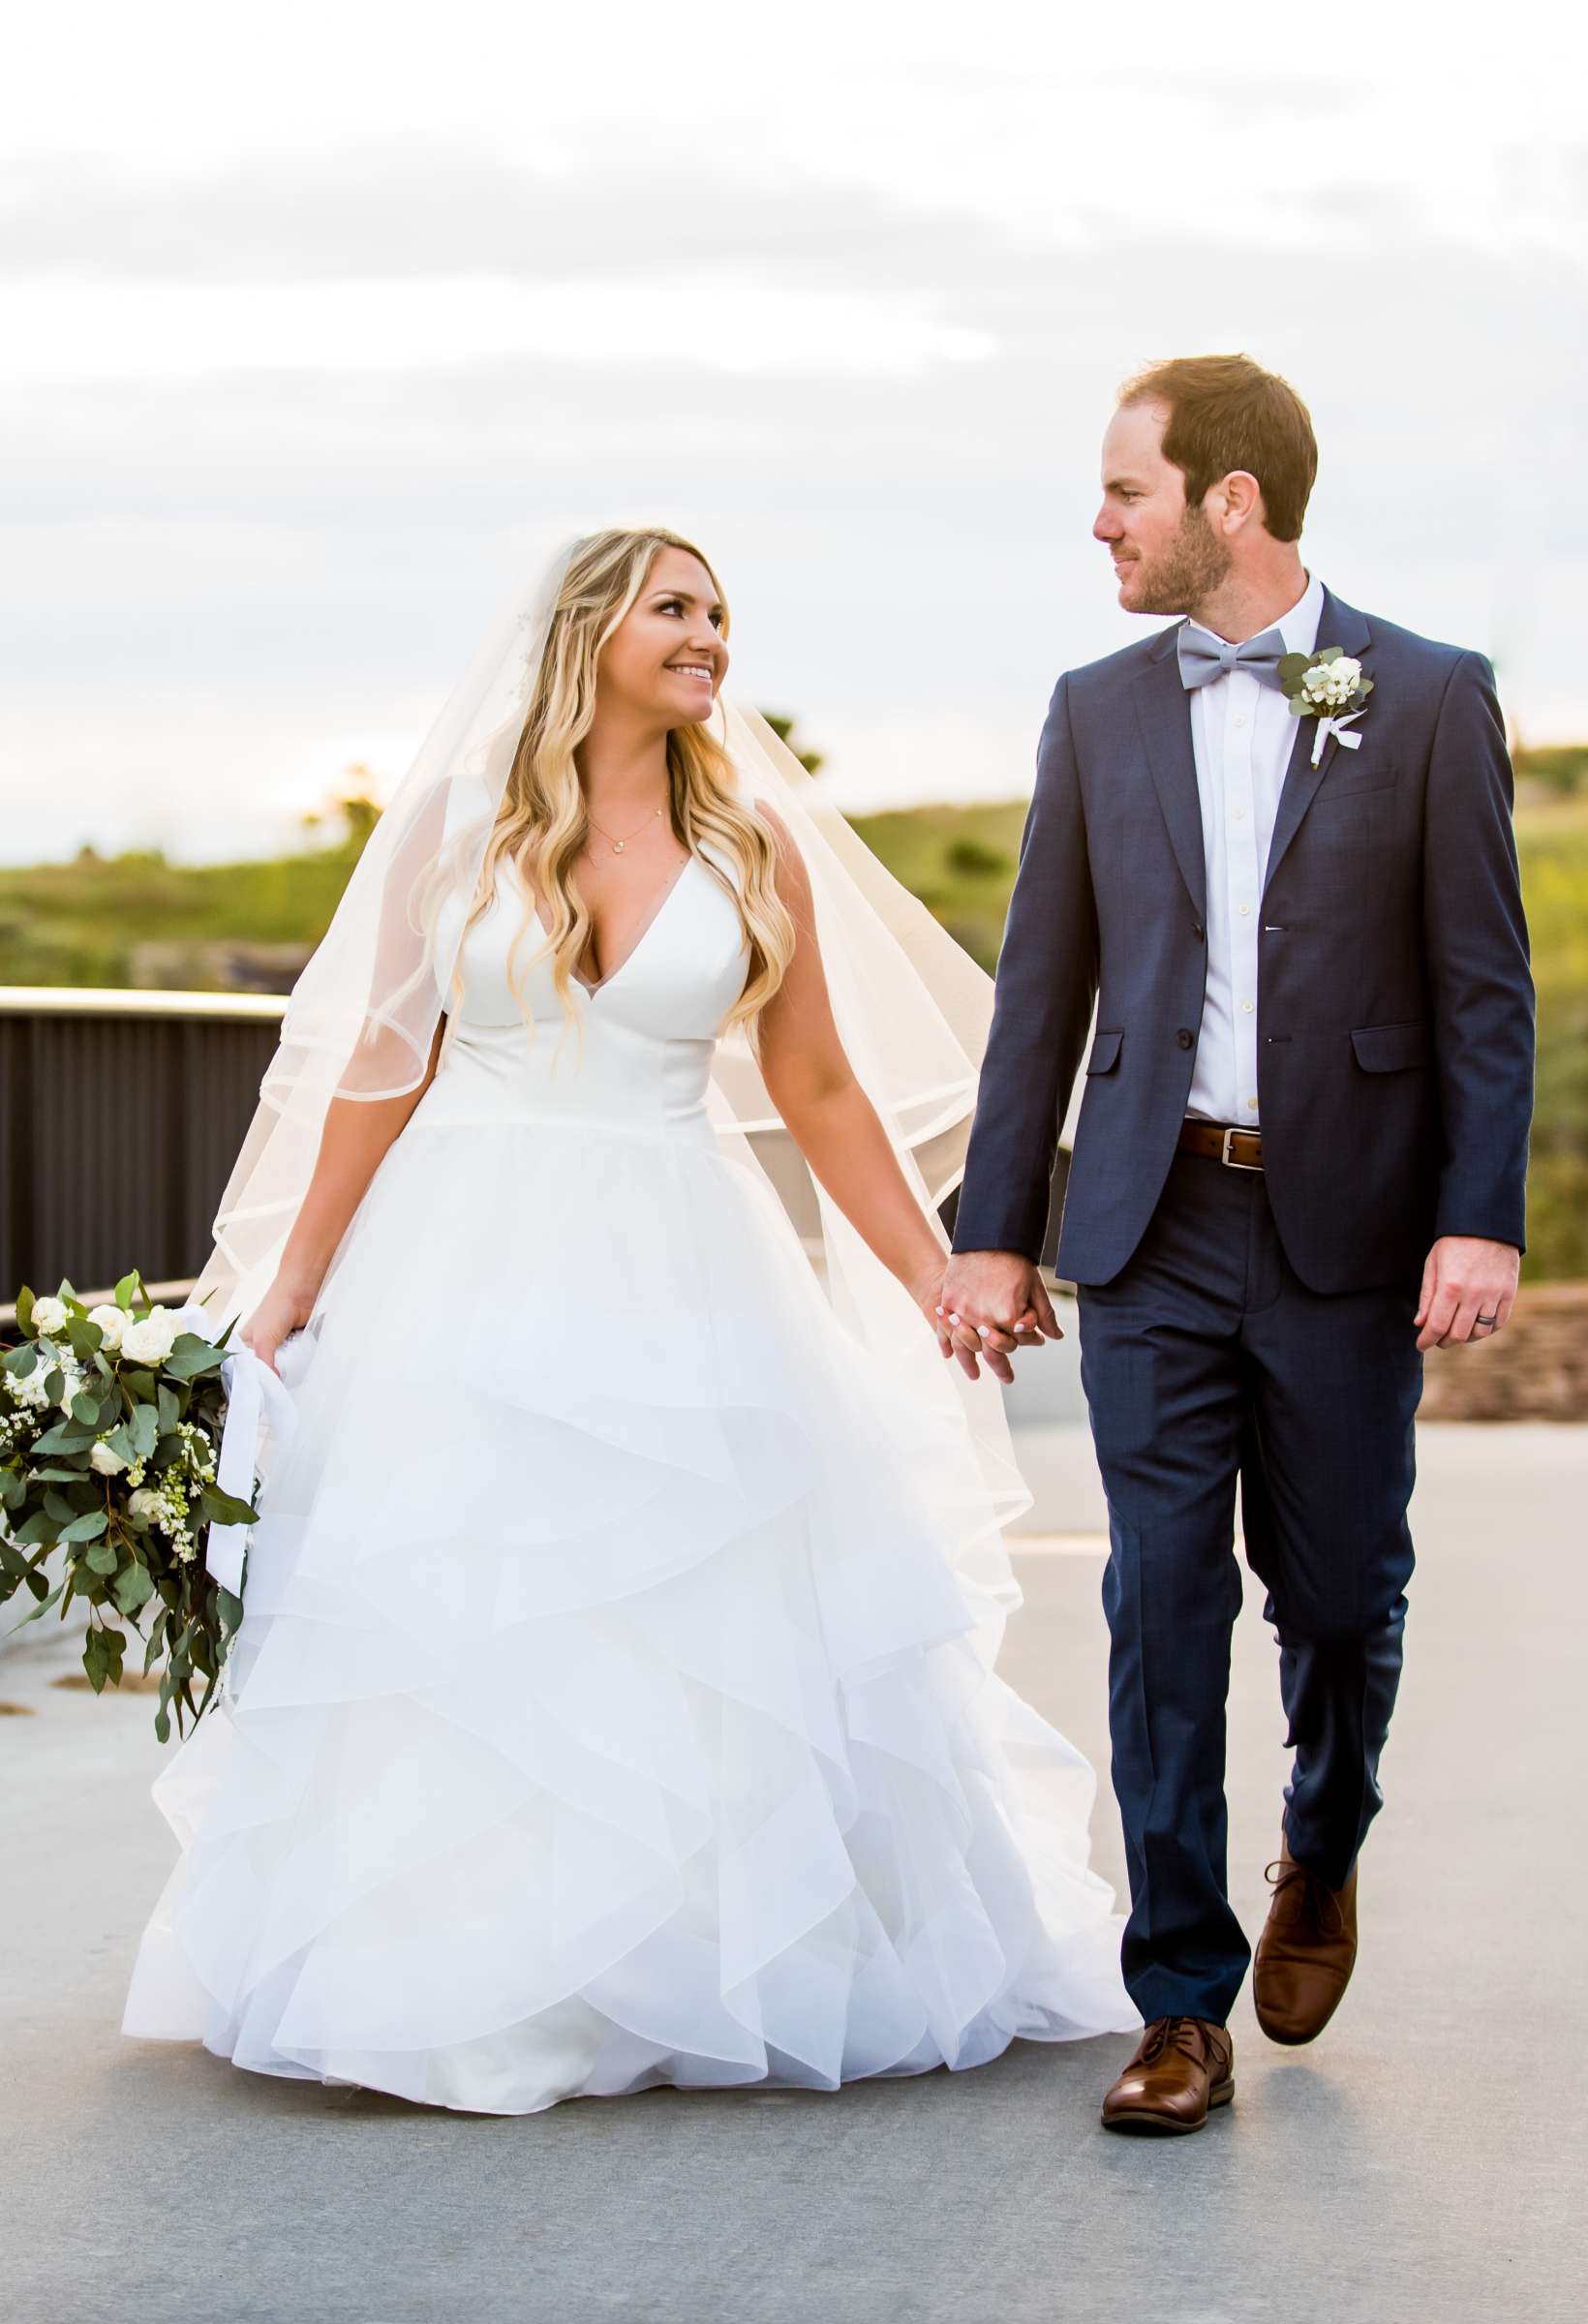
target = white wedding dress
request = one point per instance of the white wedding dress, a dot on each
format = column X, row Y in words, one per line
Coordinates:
column 613, row 1703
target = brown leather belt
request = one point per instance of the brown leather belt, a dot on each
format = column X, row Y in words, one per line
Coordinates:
column 1237, row 1150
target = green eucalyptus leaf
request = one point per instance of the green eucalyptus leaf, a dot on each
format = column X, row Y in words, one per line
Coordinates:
column 55, row 1382
column 125, row 1289
column 21, row 1361
column 37, row 1532
column 143, row 1429
column 102, row 1558
column 87, row 1529
column 43, row 1608
column 167, row 1411
column 67, row 1436
column 96, row 1658
column 85, row 1408
column 13, row 1563
column 132, row 1589
column 225, row 1508
column 24, row 1310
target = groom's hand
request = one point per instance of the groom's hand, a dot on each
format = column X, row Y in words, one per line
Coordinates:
column 1469, row 1288
column 993, row 1303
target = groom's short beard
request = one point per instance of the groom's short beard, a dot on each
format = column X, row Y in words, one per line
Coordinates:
column 1190, row 569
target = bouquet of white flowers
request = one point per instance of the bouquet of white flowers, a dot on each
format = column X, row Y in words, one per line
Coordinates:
column 110, row 1426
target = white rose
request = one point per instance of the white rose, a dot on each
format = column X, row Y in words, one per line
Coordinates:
column 113, row 1322
column 48, row 1315
column 151, row 1341
column 145, row 1505
column 1346, row 672
column 106, row 1461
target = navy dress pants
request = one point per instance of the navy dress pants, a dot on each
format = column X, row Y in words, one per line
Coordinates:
column 1203, row 1360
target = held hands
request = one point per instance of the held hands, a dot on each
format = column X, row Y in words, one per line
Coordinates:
column 285, row 1308
column 1469, row 1288
column 989, row 1304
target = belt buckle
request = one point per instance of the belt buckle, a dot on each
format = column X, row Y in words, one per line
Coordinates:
column 1228, row 1159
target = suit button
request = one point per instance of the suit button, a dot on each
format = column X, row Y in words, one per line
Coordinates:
column 1197, row 929
column 1185, row 1038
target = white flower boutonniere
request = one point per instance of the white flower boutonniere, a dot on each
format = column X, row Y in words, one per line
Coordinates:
column 1328, row 685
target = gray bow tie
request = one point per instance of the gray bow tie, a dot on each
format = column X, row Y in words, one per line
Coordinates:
column 1205, row 657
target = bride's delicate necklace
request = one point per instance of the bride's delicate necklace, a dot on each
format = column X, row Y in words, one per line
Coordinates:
column 618, row 845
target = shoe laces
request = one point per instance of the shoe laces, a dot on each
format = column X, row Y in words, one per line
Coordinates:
column 1192, row 2037
column 1318, row 1900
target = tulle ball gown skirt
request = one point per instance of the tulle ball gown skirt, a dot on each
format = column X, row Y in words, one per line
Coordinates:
column 613, row 1704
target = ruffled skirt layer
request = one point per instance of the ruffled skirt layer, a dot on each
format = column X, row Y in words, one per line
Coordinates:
column 614, row 1700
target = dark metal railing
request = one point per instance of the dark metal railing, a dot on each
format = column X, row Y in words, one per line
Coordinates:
column 121, row 1113
column 120, row 1117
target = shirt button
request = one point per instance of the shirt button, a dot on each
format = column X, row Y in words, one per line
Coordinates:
column 1248, row 1006
column 1245, row 911
column 1183, row 1038
column 1251, row 1105
column 1240, row 814
column 1240, row 718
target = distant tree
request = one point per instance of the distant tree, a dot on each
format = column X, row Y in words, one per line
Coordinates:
column 1561, row 767
column 973, row 859
column 813, row 762
column 354, row 807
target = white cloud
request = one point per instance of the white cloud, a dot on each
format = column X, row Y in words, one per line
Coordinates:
column 321, row 333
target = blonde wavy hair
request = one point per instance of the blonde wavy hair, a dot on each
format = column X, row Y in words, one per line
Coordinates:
column 543, row 824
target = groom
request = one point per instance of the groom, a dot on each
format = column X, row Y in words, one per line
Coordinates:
column 1300, row 1162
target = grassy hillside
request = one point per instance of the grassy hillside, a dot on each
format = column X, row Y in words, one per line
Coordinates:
column 81, row 924
column 1554, row 851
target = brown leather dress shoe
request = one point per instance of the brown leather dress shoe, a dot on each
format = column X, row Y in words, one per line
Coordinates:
column 1183, row 2066
column 1306, row 1953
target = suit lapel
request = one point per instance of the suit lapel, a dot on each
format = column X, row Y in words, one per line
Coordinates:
column 1338, row 625
column 1163, row 710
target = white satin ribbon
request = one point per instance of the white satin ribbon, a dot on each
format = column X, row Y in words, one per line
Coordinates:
column 1336, row 728
column 254, row 1395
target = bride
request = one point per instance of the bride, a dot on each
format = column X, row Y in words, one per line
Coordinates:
column 614, row 1701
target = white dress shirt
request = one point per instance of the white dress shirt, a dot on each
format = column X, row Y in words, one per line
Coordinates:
column 1241, row 736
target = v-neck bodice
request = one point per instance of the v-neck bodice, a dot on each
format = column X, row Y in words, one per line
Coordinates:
column 640, row 1052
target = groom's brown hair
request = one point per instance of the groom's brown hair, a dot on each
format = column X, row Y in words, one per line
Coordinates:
column 1227, row 412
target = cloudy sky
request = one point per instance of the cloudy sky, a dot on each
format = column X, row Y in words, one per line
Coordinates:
column 323, row 322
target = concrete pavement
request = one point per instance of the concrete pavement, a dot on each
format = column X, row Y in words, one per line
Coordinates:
column 1426, row 2159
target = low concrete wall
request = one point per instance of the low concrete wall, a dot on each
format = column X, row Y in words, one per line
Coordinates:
column 1537, row 1370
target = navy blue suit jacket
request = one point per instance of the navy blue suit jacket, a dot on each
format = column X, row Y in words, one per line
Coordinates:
column 1395, row 1002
